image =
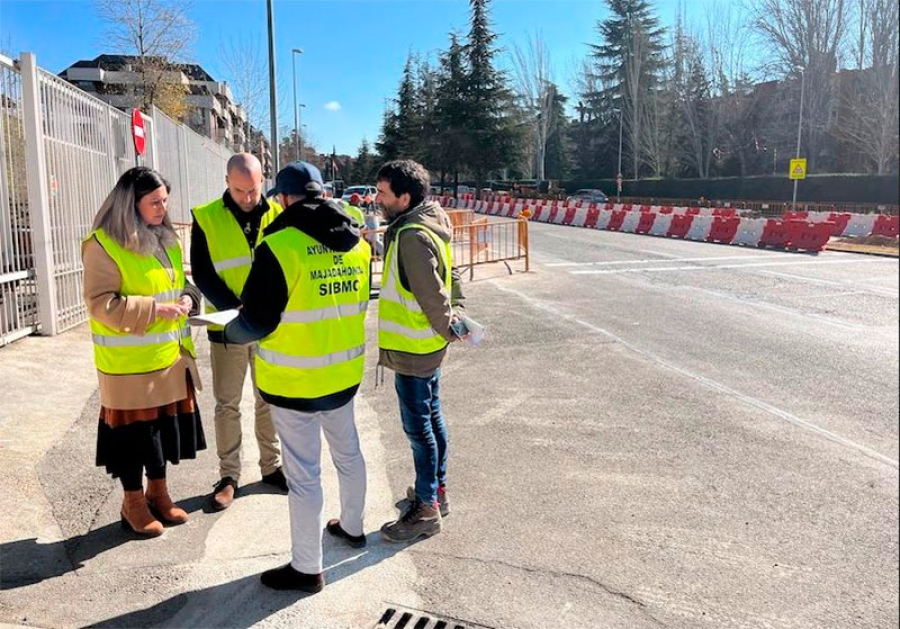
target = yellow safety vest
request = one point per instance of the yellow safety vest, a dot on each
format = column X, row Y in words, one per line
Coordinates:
column 355, row 213
column 229, row 251
column 402, row 326
column 118, row 352
column 318, row 347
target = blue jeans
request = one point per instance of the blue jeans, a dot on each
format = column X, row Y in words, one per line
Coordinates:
column 423, row 423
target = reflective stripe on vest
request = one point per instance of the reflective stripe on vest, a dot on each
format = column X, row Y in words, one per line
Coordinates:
column 229, row 250
column 402, row 326
column 232, row 263
column 321, row 314
column 133, row 340
column 119, row 352
column 168, row 296
column 318, row 347
column 311, row 362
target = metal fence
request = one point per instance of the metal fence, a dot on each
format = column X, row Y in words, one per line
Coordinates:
column 62, row 151
column 476, row 240
column 483, row 241
column 18, row 299
column 193, row 164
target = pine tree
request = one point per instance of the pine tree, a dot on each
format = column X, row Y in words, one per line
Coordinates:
column 452, row 143
column 628, row 63
column 557, row 158
column 366, row 166
column 400, row 134
column 493, row 136
column 388, row 144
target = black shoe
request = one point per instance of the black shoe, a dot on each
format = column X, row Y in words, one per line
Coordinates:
column 276, row 479
column 224, row 493
column 355, row 541
column 286, row 578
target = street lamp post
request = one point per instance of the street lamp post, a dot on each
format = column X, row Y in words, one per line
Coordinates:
column 294, row 53
column 273, row 106
column 302, row 126
column 619, row 172
column 799, row 129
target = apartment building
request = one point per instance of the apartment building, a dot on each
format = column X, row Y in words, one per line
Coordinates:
column 211, row 110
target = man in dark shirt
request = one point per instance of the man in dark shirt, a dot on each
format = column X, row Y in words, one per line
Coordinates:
column 223, row 241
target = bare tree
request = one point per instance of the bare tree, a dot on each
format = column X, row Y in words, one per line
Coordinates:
column 245, row 62
column 869, row 96
column 159, row 35
column 807, row 40
column 535, row 88
column 709, row 71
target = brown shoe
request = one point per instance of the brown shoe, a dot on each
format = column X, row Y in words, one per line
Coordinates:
column 354, row 541
column 443, row 500
column 137, row 517
column 161, row 504
column 224, row 493
column 419, row 520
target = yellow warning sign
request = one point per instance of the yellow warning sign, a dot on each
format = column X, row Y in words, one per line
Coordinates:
column 798, row 169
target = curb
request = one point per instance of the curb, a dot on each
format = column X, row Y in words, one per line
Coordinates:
column 862, row 249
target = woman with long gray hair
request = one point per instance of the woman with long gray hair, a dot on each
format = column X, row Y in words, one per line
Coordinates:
column 138, row 301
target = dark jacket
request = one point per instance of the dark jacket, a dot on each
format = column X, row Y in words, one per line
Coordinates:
column 422, row 273
column 266, row 295
column 204, row 273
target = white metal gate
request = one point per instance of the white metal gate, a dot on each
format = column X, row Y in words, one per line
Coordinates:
column 61, row 152
column 18, row 297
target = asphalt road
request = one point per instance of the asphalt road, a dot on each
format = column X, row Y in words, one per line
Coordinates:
column 655, row 433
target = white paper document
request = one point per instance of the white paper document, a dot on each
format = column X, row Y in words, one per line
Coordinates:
column 215, row 318
column 469, row 330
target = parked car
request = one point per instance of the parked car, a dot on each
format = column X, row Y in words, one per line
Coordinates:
column 366, row 193
column 589, row 195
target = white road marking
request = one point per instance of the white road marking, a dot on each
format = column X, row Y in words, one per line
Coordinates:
column 658, row 253
column 710, row 383
column 657, row 261
column 781, row 309
column 719, row 267
column 883, row 291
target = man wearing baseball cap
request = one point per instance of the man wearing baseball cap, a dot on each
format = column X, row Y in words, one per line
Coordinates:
column 305, row 302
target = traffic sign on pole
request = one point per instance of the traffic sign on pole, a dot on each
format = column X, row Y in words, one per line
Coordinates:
column 138, row 132
column 798, row 169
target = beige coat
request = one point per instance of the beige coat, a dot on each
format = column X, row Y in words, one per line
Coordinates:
column 102, row 282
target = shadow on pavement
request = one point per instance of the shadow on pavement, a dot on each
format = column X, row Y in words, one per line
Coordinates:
column 245, row 601
column 27, row 562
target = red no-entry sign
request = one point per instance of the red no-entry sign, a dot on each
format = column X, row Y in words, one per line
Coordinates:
column 137, row 131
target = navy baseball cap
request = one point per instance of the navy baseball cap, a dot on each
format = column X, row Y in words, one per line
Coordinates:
column 298, row 179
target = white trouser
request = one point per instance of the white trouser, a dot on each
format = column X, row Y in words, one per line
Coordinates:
column 301, row 449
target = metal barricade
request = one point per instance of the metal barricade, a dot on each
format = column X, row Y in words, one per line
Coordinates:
column 458, row 218
column 484, row 241
column 480, row 241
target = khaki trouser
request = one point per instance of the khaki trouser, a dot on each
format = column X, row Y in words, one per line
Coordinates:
column 229, row 369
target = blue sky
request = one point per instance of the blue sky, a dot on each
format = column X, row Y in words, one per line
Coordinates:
column 354, row 50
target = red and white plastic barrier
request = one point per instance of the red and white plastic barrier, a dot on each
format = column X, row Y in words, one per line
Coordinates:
column 802, row 231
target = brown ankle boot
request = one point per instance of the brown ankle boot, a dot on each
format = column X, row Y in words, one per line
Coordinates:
column 137, row 517
column 161, row 504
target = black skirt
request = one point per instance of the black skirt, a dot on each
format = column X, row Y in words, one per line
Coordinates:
column 176, row 433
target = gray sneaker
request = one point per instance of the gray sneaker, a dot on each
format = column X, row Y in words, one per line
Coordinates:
column 443, row 500
column 420, row 520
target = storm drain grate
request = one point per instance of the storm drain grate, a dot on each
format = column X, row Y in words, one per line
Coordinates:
column 397, row 618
